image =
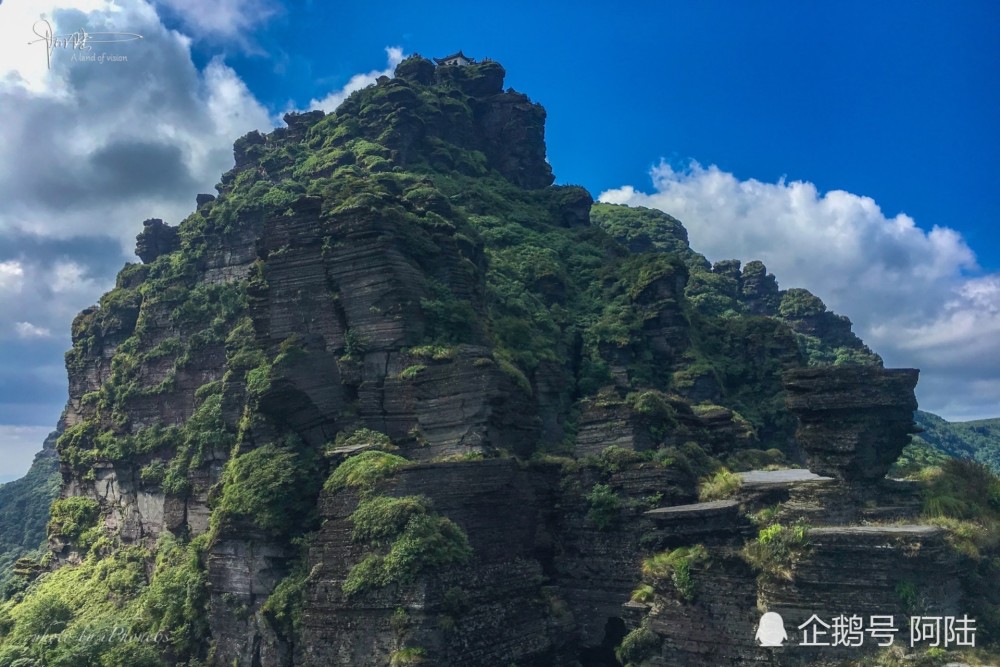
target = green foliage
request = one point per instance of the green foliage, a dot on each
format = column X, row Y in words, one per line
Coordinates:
column 962, row 489
column 909, row 595
column 614, row 459
column 411, row 372
column 364, row 437
column 434, row 352
column 963, row 496
column 176, row 601
column 690, row 458
column 644, row 593
column 977, row 440
column 425, row 541
column 408, row 657
column 355, row 345
column 272, row 486
column 70, row 517
column 722, row 484
column 605, row 506
column 381, row 518
column 638, row 645
column 364, row 470
column 450, row 320
column 776, row 549
column 766, row 516
column 675, row 566
column 917, row 456
column 642, row 228
column 24, row 513
column 106, row 611
column 284, row 606
column 259, row 379
column 756, row 459
column 400, row 622
column 651, row 403
column 153, row 472
column 799, row 303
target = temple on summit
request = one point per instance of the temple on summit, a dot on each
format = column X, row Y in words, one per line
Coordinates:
column 459, row 59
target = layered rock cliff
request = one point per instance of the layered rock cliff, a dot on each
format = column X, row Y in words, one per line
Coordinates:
column 394, row 398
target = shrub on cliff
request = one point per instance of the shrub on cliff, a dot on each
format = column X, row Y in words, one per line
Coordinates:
column 605, row 506
column 426, row 541
column 637, row 646
column 776, row 549
column 408, row 657
column 70, row 517
column 675, row 566
column 722, row 484
column 364, row 470
column 271, row 486
column 110, row 611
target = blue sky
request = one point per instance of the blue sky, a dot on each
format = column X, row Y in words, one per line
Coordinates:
column 894, row 100
column 852, row 146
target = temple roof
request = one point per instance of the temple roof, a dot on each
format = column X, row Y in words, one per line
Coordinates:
column 453, row 56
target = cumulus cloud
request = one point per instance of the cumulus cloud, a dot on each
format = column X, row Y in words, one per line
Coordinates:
column 226, row 19
column 11, row 276
column 92, row 149
column 916, row 296
column 29, row 330
column 358, row 81
column 97, row 147
column 89, row 150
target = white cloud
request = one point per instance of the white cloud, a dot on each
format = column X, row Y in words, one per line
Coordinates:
column 11, row 276
column 914, row 295
column 97, row 148
column 331, row 101
column 68, row 276
column 93, row 149
column 50, row 295
column 28, row 330
column 225, row 19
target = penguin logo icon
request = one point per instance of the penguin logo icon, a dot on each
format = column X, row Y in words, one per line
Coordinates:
column 771, row 631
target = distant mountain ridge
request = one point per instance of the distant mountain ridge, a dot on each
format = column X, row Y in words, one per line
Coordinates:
column 24, row 509
column 977, row 440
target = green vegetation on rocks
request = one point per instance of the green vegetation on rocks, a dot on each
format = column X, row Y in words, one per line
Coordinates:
column 364, row 470
column 408, row 538
column 776, row 549
column 675, row 566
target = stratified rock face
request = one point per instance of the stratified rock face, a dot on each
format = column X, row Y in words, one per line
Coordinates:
column 400, row 275
column 493, row 609
column 759, row 288
column 157, row 239
column 854, row 421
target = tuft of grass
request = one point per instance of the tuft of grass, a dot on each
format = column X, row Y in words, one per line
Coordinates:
column 675, row 566
column 408, row 657
column 644, row 593
column 722, row 484
column 433, row 352
column 411, row 372
column 776, row 549
column 364, row 470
